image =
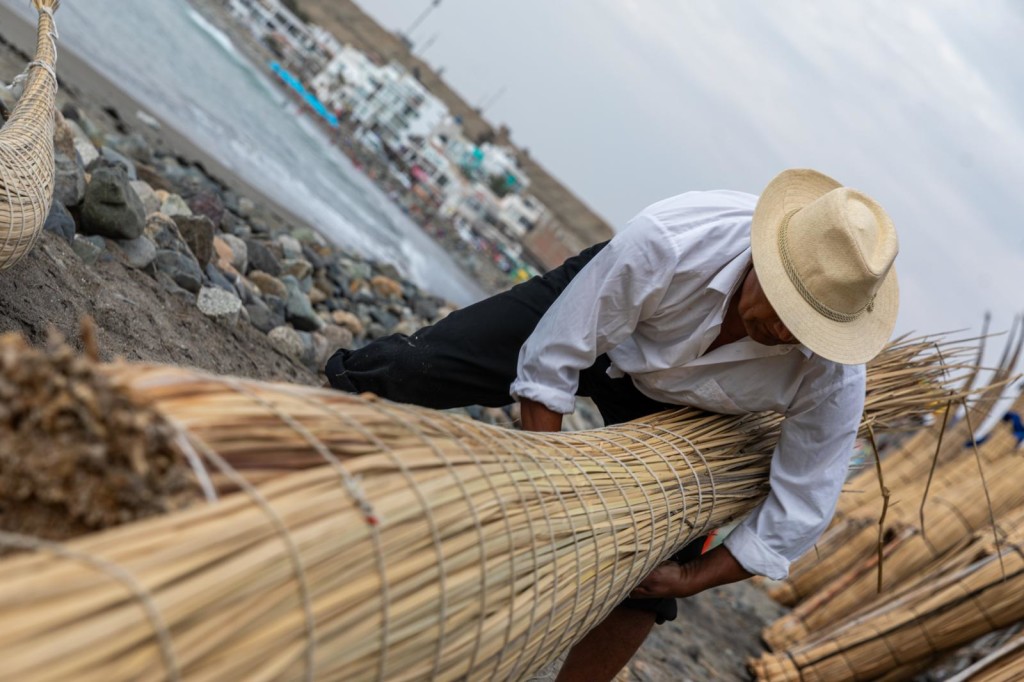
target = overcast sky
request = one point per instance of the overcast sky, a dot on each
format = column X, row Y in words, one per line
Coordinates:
column 919, row 103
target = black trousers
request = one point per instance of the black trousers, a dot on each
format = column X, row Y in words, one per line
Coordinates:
column 470, row 358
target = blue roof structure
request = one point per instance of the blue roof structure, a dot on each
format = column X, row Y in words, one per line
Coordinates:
column 295, row 84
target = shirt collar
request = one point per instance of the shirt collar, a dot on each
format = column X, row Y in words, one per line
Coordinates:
column 725, row 282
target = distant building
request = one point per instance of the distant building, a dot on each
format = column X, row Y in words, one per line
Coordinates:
column 283, row 32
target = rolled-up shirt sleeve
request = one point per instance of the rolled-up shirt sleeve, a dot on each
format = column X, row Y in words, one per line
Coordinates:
column 808, row 468
column 599, row 309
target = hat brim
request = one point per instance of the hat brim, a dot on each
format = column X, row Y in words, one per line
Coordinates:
column 848, row 343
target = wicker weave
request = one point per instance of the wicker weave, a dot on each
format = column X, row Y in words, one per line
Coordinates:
column 427, row 547
column 26, row 148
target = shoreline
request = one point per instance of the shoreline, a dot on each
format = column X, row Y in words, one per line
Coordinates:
column 75, row 76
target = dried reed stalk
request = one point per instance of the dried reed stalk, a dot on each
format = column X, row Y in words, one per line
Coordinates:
column 426, row 547
column 937, row 616
column 26, row 148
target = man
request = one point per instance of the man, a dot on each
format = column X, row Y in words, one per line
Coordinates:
column 719, row 300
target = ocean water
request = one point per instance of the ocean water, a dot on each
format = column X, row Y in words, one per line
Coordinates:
column 187, row 73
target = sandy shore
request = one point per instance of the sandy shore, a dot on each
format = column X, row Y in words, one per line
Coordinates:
column 90, row 87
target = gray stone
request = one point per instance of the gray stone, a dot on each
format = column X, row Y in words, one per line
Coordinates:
column 299, row 268
column 59, row 221
column 197, row 231
column 89, row 249
column 309, row 349
column 206, row 202
column 111, row 157
column 426, row 308
column 239, row 251
column 181, row 267
column 139, row 252
column 337, row 337
column 147, row 195
column 268, row 284
column 262, row 317
column 260, row 258
column 288, row 342
column 170, row 286
column 83, row 145
column 218, row 279
column 132, row 146
column 174, row 205
column 111, row 207
column 68, row 174
column 290, row 246
column 321, row 351
column 245, row 207
column 298, row 310
column 219, row 305
column 165, row 233
column 278, row 306
column 375, row 330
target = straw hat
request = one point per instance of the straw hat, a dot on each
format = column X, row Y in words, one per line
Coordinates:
column 824, row 256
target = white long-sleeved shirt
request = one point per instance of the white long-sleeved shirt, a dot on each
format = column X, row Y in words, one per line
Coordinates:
column 654, row 299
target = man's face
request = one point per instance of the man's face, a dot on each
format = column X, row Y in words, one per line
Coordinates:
column 759, row 318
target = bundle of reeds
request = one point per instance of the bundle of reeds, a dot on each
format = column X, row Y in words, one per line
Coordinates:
column 387, row 541
column 26, row 148
column 954, row 514
column 909, row 630
column 908, row 473
column 1005, row 664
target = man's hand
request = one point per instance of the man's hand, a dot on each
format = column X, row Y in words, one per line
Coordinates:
column 537, row 417
column 717, row 567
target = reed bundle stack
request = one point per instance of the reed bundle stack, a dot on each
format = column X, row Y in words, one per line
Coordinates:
column 26, row 147
column 922, row 462
column 369, row 540
column 1005, row 664
column 958, row 505
column 903, row 633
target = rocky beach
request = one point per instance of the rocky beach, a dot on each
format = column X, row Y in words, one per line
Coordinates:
column 178, row 261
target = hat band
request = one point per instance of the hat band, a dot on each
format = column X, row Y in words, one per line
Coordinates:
column 819, row 307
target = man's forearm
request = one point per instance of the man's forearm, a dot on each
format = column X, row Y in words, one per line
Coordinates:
column 537, row 417
column 717, row 567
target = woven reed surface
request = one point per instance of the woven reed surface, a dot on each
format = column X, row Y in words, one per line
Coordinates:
column 1006, row 664
column 385, row 541
column 26, row 151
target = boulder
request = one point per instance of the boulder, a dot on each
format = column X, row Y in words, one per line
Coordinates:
column 146, row 195
column 288, row 342
column 298, row 310
column 262, row 317
column 346, row 319
column 59, row 221
column 174, row 205
column 197, row 231
column 69, row 171
column 260, row 258
column 111, row 207
column 268, row 284
column 89, row 249
column 165, row 233
column 207, row 202
column 139, row 252
column 182, row 268
column 219, row 305
column 386, row 287
column 87, row 151
column 239, row 257
column 291, row 246
column 111, row 157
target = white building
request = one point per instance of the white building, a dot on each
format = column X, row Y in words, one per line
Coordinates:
column 350, row 77
column 271, row 20
column 520, row 213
